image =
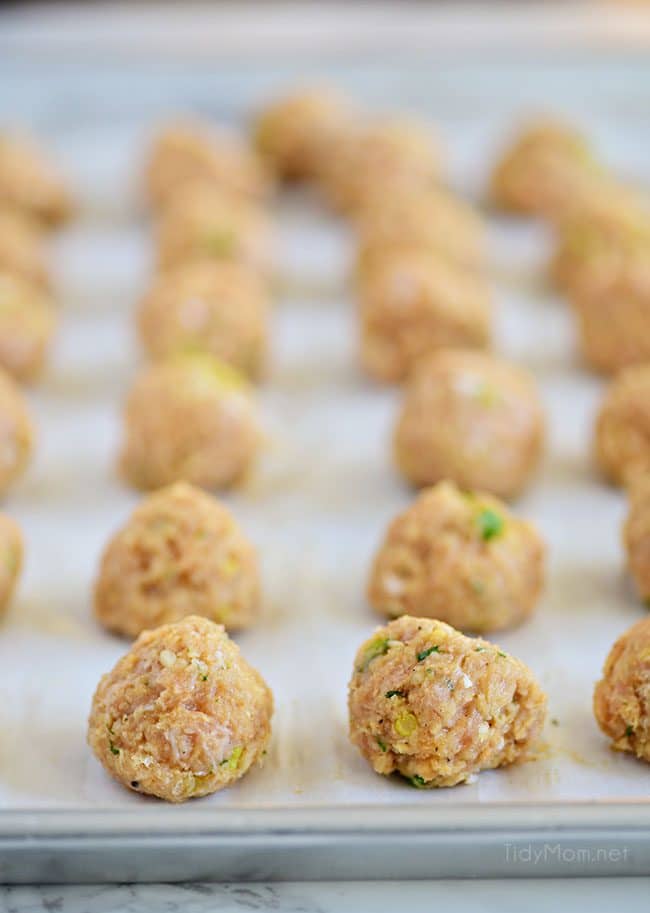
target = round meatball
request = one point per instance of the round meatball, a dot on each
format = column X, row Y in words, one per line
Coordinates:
column 622, row 437
column 613, row 312
column 203, row 306
column 595, row 242
column 413, row 303
column 16, row 433
column 189, row 418
column 391, row 154
column 21, row 248
column 294, row 134
column 182, row 714
column 636, row 536
column 460, row 557
column 30, row 183
column 545, row 169
column 206, row 223
column 472, row 418
column 11, row 559
column 27, row 323
column 622, row 696
column 430, row 220
column 438, row 707
column 197, row 151
column 181, row 553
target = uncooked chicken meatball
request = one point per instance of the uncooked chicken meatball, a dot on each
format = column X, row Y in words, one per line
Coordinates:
column 181, row 553
column 438, row 707
column 203, row 306
column 182, row 714
column 21, row 248
column 622, row 438
column 460, row 557
column 391, row 154
column 30, row 183
column 197, row 151
column 16, row 433
column 206, row 223
column 636, row 535
column 595, row 242
column 191, row 419
column 294, row 134
column 413, row 303
column 424, row 220
column 473, row 419
column 27, row 323
column 613, row 311
column 622, row 696
column 11, row 559
column 544, row 170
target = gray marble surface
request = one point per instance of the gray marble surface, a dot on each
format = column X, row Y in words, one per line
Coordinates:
column 534, row 896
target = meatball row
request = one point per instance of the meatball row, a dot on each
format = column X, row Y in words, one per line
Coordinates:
column 602, row 238
column 203, row 322
column 33, row 200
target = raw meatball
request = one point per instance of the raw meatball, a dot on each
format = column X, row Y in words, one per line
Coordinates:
column 544, row 170
column 613, row 312
column 196, row 151
column 460, row 557
column 622, row 696
column 622, row 439
column 206, row 223
column 216, row 308
column 21, row 248
column 16, row 432
column 29, row 182
column 391, row 154
column 11, row 559
column 595, row 242
column 182, row 714
column 438, row 707
column 181, row 553
column 471, row 418
column 413, row 303
column 27, row 323
column 636, row 535
column 190, row 418
column 430, row 220
column 295, row 133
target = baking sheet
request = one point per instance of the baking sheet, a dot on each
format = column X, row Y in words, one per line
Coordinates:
column 316, row 506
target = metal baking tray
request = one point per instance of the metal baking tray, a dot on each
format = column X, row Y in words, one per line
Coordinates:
column 316, row 507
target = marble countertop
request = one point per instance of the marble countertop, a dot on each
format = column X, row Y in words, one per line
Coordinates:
column 535, row 896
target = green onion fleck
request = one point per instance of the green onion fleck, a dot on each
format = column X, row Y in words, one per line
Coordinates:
column 395, row 693
column 382, row 745
column 629, row 730
column 490, row 524
column 114, row 750
column 424, row 653
column 418, row 781
column 376, row 648
column 502, row 655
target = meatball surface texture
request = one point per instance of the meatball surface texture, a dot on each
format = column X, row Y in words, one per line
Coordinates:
column 414, row 303
column 622, row 436
column 438, row 707
column 180, row 553
column 190, row 418
column 11, row 559
column 182, row 714
column 459, row 557
column 219, row 309
column 622, row 696
column 471, row 418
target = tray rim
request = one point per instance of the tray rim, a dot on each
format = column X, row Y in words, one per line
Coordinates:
column 349, row 819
